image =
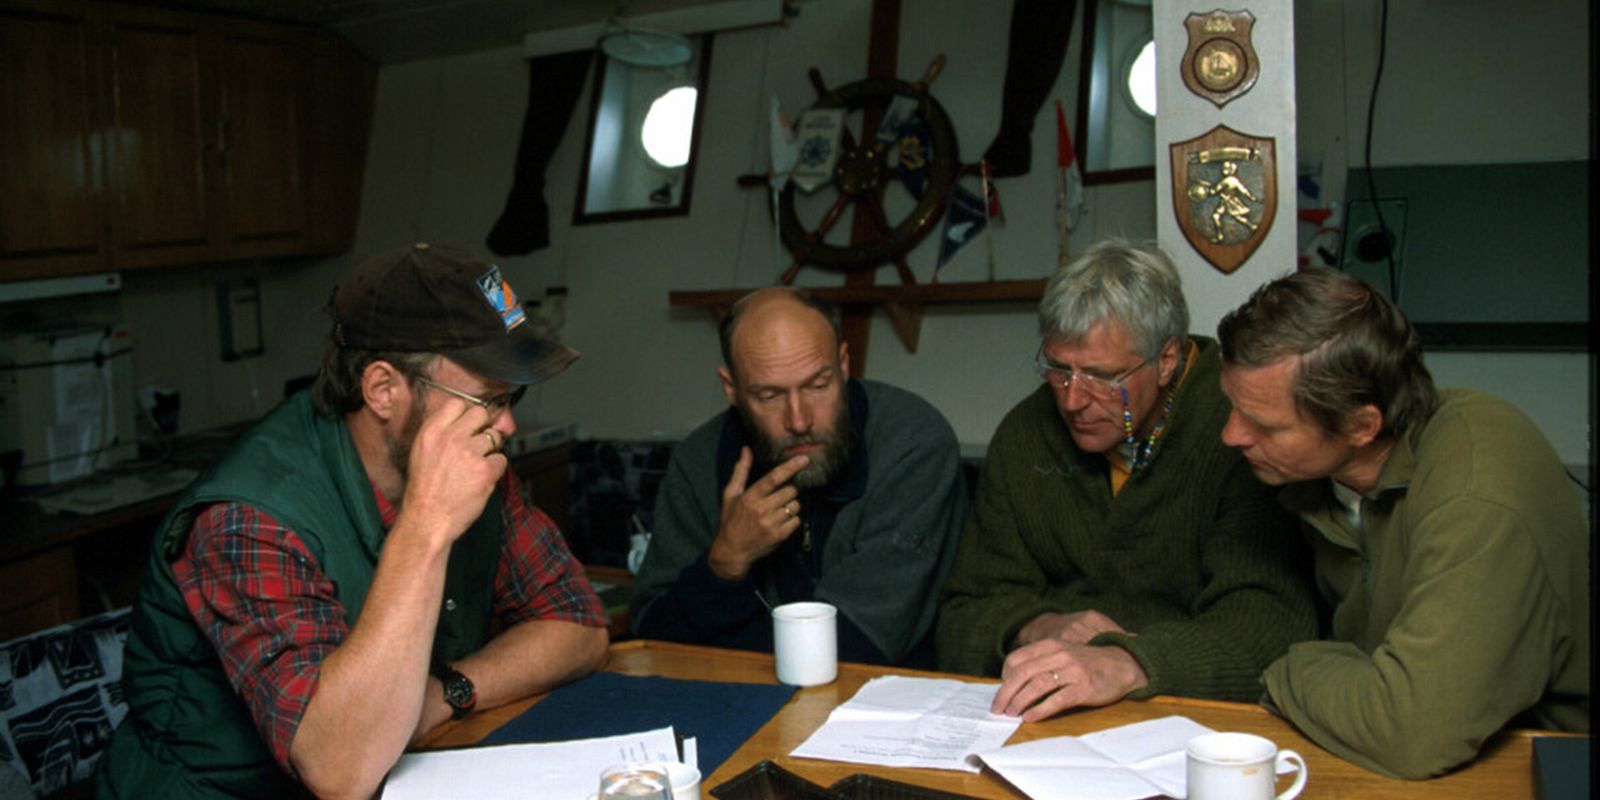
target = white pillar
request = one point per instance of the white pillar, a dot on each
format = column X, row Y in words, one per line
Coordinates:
column 1267, row 110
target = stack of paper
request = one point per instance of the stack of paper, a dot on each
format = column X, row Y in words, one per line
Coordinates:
column 1133, row 761
column 912, row 722
column 557, row 771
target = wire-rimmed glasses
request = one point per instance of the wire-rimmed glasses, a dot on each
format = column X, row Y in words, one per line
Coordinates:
column 494, row 405
column 1100, row 386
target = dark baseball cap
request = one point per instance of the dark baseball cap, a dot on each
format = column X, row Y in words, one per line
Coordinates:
column 432, row 299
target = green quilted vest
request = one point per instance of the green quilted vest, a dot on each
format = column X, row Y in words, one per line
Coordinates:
column 188, row 734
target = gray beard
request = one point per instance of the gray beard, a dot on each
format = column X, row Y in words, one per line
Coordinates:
column 400, row 448
column 826, row 463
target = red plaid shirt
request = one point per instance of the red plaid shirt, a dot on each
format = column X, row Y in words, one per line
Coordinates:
column 273, row 615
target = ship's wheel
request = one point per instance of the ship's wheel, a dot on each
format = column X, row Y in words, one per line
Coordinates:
column 902, row 186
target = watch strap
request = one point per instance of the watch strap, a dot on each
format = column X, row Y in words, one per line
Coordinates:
column 459, row 692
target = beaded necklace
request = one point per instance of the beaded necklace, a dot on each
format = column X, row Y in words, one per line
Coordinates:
column 1143, row 453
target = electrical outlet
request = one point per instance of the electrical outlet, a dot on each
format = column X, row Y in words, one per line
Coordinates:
column 1371, row 245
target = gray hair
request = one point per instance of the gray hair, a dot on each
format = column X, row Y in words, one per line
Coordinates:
column 1137, row 286
column 337, row 390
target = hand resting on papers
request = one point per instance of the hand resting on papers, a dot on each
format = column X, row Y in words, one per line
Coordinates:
column 1049, row 676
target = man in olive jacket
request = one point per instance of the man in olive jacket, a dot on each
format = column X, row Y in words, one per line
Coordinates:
column 1447, row 537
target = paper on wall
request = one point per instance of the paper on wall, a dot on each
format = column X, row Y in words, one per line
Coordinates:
column 85, row 423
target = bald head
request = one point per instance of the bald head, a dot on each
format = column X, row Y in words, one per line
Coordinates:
column 772, row 316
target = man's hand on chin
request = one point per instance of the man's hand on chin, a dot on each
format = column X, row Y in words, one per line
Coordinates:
column 755, row 518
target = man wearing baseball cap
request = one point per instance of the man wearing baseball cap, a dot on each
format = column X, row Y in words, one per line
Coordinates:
column 360, row 566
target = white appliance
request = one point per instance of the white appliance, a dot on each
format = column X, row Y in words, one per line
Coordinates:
column 66, row 400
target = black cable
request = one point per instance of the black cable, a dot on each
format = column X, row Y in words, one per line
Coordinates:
column 1372, row 186
column 1574, row 478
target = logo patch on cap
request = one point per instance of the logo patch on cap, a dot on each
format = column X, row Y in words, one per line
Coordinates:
column 501, row 297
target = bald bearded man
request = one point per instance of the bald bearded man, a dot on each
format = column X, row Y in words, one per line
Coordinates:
column 810, row 486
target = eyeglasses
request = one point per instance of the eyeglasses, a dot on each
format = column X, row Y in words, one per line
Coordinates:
column 493, row 405
column 1096, row 385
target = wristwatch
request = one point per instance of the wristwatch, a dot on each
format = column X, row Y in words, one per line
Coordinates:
column 458, row 690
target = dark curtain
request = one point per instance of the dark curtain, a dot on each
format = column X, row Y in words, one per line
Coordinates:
column 1038, row 43
column 554, row 83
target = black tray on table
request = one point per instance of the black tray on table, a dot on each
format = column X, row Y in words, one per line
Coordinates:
column 768, row 781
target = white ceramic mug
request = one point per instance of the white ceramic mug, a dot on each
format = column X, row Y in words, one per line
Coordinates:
column 805, row 643
column 1239, row 766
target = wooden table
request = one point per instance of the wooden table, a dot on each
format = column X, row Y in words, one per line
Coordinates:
column 1502, row 771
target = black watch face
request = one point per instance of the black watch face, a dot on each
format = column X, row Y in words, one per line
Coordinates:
column 458, row 691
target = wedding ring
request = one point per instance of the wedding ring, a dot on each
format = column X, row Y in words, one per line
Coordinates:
column 1055, row 677
column 787, row 511
column 494, row 444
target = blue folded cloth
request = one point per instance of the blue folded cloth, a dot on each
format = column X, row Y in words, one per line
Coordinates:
column 720, row 716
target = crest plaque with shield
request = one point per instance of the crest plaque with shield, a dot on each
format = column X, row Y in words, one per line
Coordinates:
column 1225, row 193
column 1220, row 63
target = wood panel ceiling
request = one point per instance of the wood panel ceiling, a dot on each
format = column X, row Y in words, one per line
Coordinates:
column 396, row 31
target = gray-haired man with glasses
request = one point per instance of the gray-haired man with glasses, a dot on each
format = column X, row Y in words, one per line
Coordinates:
column 1115, row 548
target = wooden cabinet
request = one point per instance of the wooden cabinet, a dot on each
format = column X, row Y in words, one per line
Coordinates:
column 157, row 138
column 52, row 212
column 41, row 592
column 263, row 129
column 145, row 137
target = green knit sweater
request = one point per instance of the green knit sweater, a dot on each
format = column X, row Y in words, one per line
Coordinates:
column 1193, row 555
column 1460, row 606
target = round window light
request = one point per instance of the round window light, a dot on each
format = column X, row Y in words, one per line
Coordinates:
column 1140, row 80
column 669, row 126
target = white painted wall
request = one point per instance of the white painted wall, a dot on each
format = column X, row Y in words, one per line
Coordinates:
column 1464, row 81
column 1266, row 111
column 445, row 138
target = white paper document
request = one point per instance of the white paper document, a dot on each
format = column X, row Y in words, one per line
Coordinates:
column 85, row 419
column 912, row 722
column 554, row 771
column 1133, row 761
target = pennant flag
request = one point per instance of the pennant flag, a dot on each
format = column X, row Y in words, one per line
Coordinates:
column 991, row 193
column 897, row 117
column 785, row 149
column 1070, row 197
column 963, row 221
column 912, row 154
column 818, row 133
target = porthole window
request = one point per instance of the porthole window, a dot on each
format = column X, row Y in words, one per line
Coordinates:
column 639, row 157
column 1139, row 79
column 668, row 127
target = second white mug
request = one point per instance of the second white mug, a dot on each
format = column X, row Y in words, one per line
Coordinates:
column 1239, row 766
column 805, row 643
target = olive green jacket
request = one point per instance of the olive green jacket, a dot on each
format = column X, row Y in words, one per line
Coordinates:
column 1193, row 555
column 1460, row 606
